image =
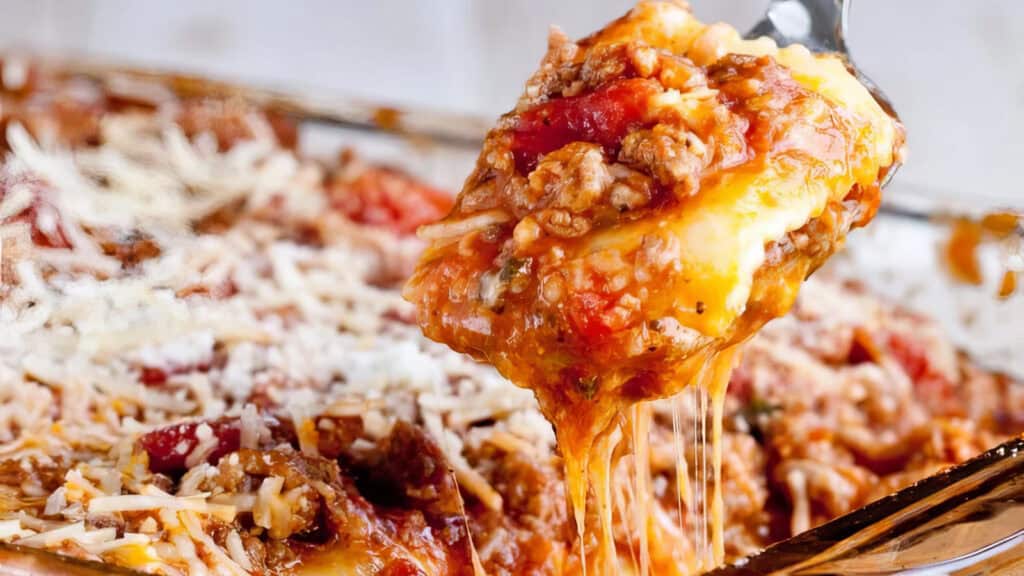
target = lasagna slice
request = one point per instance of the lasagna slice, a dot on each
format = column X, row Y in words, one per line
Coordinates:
column 660, row 191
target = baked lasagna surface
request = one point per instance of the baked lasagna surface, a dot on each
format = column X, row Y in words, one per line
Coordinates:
column 206, row 366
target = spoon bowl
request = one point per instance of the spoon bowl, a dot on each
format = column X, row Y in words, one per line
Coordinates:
column 820, row 25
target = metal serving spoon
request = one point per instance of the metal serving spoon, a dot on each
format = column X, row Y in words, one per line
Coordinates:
column 820, row 25
column 964, row 521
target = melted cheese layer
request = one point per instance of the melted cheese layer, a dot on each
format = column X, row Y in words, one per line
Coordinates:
column 724, row 229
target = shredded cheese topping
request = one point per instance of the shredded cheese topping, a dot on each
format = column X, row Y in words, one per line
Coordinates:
column 306, row 326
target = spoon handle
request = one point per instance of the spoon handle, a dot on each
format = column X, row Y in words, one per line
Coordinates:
column 818, row 24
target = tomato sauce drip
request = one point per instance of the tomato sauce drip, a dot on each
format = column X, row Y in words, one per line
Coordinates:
column 603, row 117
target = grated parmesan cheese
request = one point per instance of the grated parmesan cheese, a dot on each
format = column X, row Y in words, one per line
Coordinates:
column 76, row 532
column 11, row 530
column 141, row 502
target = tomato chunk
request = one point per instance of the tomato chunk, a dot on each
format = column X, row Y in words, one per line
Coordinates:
column 50, row 235
column 586, row 311
column 44, row 221
column 391, row 199
column 150, row 376
column 603, row 117
column 863, row 348
column 169, row 447
column 155, row 376
column 911, row 355
column 45, row 224
column 594, row 316
column 930, row 385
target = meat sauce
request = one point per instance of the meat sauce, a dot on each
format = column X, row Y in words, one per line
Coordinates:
column 393, row 504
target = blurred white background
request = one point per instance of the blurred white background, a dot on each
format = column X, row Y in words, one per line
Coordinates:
column 955, row 69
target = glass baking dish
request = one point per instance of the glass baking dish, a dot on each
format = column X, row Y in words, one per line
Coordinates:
column 897, row 257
